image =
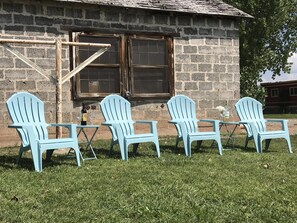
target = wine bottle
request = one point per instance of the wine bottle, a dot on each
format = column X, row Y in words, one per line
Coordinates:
column 84, row 115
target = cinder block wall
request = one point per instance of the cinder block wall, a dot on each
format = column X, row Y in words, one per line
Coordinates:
column 206, row 56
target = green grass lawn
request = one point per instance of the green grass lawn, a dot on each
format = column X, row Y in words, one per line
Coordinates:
column 240, row 186
column 281, row 116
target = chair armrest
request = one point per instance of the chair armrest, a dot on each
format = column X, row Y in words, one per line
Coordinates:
column 283, row 122
column 111, row 123
column 106, row 123
column 70, row 126
column 153, row 125
column 112, row 128
column 215, row 124
column 26, row 127
column 177, row 122
column 245, row 122
column 145, row 121
column 277, row 120
column 67, row 125
column 209, row 120
column 17, row 126
column 116, row 130
column 27, row 133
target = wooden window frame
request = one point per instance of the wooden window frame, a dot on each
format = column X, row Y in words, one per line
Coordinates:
column 169, row 66
column 126, row 74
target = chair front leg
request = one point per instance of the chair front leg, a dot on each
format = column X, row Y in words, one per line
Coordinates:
column 220, row 147
column 77, row 154
column 289, row 143
column 258, row 143
column 37, row 158
column 189, row 142
column 156, row 141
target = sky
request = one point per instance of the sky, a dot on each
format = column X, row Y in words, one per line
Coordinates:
column 283, row 77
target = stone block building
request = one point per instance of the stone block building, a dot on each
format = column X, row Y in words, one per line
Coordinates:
column 158, row 49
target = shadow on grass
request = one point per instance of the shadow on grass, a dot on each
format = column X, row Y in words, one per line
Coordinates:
column 10, row 162
column 251, row 148
column 115, row 153
column 180, row 149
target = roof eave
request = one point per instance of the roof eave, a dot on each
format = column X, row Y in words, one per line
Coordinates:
column 239, row 14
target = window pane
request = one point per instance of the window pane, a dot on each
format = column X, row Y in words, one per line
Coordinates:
column 150, row 80
column 111, row 56
column 149, row 52
column 293, row 91
column 103, row 80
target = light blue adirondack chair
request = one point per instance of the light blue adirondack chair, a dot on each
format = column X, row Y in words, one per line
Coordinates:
column 117, row 114
column 251, row 116
column 27, row 114
column 182, row 110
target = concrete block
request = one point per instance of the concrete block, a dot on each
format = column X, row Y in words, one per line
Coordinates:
column 191, row 31
column 17, row 74
column 198, row 77
column 74, row 13
column 184, row 20
column 26, row 85
column 161, row 19
column 93, row 14
column 219, row 68
column 212, row 41
column 205, row 31
column 190, row 49
column 182, row 58
column 197, row 58
column 5, row 18
column 205, row 67
column 55, row 11
column 189, row 68
column 212, row 77
column 23, row 19
column 226, row 77
column 205, row 86
column 190, row 86
column 183, row 76
column 13, row 7
column 213, row 59
column 7, row 84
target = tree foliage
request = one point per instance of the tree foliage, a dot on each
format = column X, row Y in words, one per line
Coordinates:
column 266, row 42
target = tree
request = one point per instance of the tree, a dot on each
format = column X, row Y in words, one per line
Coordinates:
column 266, row 42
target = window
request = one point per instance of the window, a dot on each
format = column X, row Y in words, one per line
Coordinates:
column 274, row 92
column 141, row 65
column 293, row 91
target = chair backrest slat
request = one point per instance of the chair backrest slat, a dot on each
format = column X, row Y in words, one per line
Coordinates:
column 182, row 108
column 25, row 108
column 249, row 109
column 117, row 109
